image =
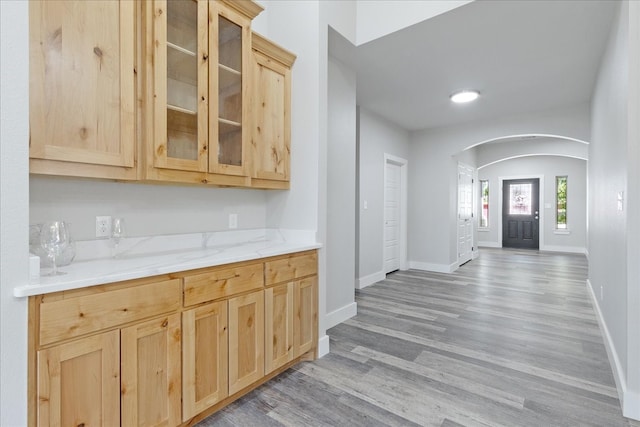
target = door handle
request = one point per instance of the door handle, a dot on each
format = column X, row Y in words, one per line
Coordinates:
column 536, row 212
column 536, row 217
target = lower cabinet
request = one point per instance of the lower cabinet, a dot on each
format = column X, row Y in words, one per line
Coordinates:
column 204, row 358
column 246, row 340
column 278, row 327
column 150, row 360
column 79, row 382
column 168, row 350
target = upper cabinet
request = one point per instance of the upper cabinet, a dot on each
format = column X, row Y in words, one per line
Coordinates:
column 180, row 76
column 82, row 88
column 160, row 90
column 271, row 109
column 197, row 62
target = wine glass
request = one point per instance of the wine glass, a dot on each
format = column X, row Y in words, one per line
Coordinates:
column 54, row 238
column 117, row 232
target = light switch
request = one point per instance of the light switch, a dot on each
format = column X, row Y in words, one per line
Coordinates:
column 366, row 205
column 620, row 201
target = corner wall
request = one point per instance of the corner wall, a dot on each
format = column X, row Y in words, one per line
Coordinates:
column 14, row 208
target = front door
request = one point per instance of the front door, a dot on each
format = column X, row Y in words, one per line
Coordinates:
column 520, row 213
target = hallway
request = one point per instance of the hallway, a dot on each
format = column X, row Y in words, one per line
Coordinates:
column 509, row 339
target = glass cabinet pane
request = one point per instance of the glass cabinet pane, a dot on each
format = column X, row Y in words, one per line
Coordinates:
column 182, row 79
column 229, row 92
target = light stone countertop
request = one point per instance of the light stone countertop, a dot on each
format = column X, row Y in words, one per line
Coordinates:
column 139, row 257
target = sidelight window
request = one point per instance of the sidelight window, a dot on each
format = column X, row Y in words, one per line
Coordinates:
column 484, row 197
column 561, row 202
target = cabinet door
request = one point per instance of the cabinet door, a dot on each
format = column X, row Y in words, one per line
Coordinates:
column 82, row 82
column 278, row 326
column 246, row 340
column 306, row 316
column 180, row 73
column 230, row 41
column 271, row 118
column 151, row 372
column 204, row 358
column 79, row 382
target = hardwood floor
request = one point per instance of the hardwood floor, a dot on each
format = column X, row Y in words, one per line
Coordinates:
column 510, row 339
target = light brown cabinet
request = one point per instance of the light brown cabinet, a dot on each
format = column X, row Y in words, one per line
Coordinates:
column 162, row 90
column 82, row 89
column 68, row 395
column 197, row 67
column 169, row 349
column 150, row 375
column 204, row 358
column 271, row 113
column 278, row 328
column 246, row 340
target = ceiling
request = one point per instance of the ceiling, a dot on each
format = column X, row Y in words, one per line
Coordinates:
column 522, row 56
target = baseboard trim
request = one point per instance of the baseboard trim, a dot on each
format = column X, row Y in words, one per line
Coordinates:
column 340, row 315
column 437, row 268
column 369, row 280
column 323, row 346
column 489, row 245
column 566, row 249
column 612, row 354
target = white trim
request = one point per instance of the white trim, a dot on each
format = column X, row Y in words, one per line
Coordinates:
column 519, row 156
column 340, row 315
column 475, row 253
column 474, row 184
column 567, row 249
column 437, row 268
column 369, row 280
column 545, row 135
column 403, row 163
column 540, row 203
column 323, row 346
column 614, row 361
column 484, row 229
column 485, row 244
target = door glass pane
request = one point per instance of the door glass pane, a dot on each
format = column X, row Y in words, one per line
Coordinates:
column 229, row 92
column 484, row 197
column 182, row 79
column 561, row 202
column 519, row 199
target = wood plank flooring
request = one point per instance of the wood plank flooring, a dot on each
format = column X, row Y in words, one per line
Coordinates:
column 510, row 339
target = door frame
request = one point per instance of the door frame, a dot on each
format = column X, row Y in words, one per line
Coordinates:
column 403, row 163
column 540, row 206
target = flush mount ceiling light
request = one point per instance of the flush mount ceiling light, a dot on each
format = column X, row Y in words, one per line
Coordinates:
column 465, row 96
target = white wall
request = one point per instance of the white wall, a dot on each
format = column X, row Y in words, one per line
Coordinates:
column 433, row 176
column 377, row 18
column 14, row 205
column 147, row 209
column 614, row 161
column 377, row 137
column 548, row 167
column 341, row 192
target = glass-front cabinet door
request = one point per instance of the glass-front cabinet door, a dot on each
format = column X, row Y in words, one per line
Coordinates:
column 181, row 84
column 229, row 38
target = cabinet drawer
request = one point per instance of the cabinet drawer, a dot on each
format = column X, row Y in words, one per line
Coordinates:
column 290, row 268
column 222, row 282
column 68, row 318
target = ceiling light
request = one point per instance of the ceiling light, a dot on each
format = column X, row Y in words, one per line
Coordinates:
column 465, row 96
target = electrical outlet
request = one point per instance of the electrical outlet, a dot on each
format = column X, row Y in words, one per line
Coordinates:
column 103, row 226
column 233, row 220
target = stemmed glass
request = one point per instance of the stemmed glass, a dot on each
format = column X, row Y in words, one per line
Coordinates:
column 54, row 238
column 117, row 233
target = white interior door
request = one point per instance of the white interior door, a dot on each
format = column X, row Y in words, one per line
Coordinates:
column 392, row 217
column 465, row 213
